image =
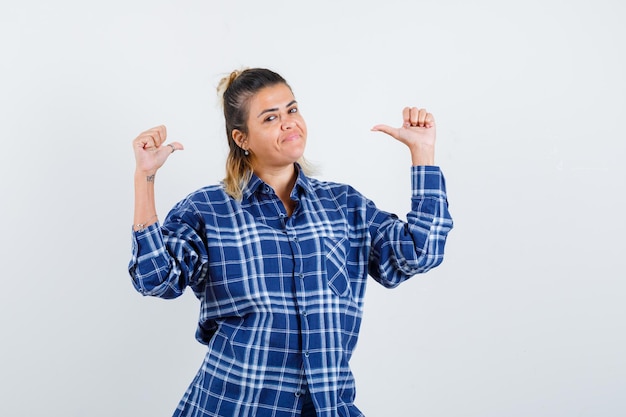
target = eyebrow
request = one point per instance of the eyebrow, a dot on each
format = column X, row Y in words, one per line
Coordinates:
column 291, row 103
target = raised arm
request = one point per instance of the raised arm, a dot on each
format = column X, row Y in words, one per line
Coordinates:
column 401, row 250
column 150, row 154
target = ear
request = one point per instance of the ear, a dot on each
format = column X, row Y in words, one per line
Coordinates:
column 238, row 137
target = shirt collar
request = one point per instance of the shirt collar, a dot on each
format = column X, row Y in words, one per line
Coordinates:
column 256, row 184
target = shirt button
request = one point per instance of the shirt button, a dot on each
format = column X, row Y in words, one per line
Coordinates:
column 306, row 354
column 301, row 276
column 297, row 393
column 304, row 313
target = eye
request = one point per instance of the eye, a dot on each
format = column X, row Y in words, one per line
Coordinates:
column 270, row 118
column 293, row 110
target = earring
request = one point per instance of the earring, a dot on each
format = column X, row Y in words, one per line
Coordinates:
column 245, row 152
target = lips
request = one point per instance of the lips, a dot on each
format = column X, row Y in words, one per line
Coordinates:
column 291, row 137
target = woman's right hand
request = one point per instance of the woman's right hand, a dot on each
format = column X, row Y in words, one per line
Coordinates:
column 150, row 150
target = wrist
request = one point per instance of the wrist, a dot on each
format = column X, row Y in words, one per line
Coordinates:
column 140, row 227
column 423, row 155
column 145, row 176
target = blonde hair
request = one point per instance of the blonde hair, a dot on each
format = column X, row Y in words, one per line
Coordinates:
column 235, row 90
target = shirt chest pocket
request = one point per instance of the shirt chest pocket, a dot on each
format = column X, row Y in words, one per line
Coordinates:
column 336, row 259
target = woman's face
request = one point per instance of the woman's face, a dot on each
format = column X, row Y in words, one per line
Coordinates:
column 276, row 130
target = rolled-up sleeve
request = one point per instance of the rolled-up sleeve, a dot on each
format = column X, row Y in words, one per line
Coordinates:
column 167, row 258
column 403, row 249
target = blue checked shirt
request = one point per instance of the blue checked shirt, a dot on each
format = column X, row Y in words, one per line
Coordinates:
column 281, row 298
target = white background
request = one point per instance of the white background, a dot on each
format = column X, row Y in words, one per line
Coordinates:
column 525, row 317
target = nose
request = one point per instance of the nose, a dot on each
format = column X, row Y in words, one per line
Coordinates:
column 288, row 124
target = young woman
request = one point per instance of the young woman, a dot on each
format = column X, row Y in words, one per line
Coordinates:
column 279, row 260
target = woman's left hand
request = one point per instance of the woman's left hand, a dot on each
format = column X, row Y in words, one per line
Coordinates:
column 417, row 132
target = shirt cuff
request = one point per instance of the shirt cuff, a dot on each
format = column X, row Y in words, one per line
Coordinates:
column 147, row 242
column 427, row 181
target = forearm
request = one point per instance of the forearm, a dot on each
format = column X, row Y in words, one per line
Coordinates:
column 422, row 155
column 150, row 154
column 145, row 205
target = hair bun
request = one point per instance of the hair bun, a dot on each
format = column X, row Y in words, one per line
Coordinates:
column 226, row 82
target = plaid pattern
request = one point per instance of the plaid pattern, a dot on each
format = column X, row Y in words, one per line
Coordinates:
column 281, row 297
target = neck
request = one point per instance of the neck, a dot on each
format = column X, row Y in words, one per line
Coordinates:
column 280, row 179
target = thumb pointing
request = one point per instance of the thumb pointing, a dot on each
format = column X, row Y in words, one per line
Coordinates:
column 391, row 131
column 172, row 147
column 165, row 151
column 176, row 146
